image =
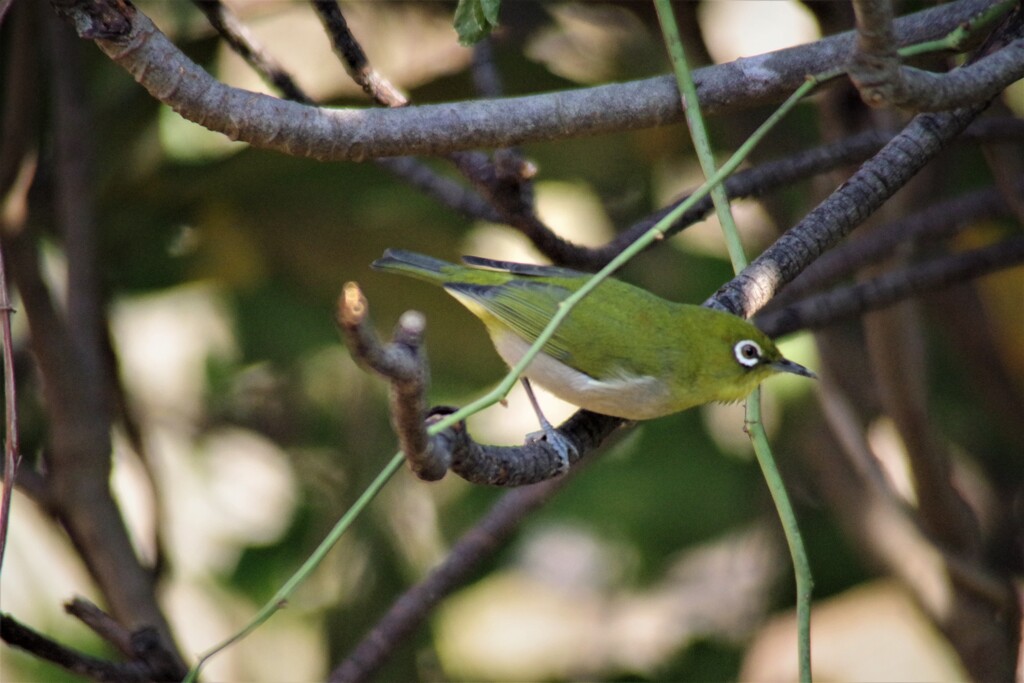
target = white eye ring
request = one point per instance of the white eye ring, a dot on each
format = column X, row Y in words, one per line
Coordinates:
column 747, row 352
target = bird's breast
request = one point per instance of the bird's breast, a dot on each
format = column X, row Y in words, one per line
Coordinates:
column 622, row 395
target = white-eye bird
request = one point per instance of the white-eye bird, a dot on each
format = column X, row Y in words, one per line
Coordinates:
column 621, row 351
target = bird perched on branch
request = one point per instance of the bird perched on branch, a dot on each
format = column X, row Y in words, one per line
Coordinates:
column 620, row 351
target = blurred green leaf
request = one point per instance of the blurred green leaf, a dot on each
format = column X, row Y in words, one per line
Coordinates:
column 474, row 19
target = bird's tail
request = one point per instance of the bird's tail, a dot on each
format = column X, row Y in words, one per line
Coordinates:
column 415, row 265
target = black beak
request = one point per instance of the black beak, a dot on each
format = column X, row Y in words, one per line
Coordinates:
column 783, row 365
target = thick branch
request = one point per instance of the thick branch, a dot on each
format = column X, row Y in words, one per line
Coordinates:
column 845, row 209
column 131, row 40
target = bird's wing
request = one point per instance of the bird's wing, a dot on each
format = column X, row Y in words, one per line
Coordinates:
column 525, row 306
column 528, row 269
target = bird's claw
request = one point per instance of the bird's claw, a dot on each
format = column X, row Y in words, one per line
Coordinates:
column 563, row 447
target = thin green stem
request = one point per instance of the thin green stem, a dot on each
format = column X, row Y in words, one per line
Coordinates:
column 801, row 565
column 961, row 34
column 698, row 131
column 755, row 427
column 280, row 598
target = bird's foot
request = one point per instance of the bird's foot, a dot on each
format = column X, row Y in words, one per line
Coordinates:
column 563, row 447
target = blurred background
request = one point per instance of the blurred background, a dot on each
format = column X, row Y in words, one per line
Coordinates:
column 221, row 266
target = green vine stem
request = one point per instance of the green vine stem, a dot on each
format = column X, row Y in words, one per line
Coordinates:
column 754, row 425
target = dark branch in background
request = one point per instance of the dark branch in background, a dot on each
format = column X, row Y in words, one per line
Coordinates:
column 506, row 185
column 244, row 43
column 770, row 175
column 12, row 452
column 446, row 191
column 102, row 624
column 147, row 658
column 20, row 98
column 486, row 78
column 847, row 302
column 354, row 58
column 4, row 6
column 131, row 40
column 17, row 635
column 17, row 168
column 936, row 221
column 882, row 80
column 70, row 363
column 410, row 610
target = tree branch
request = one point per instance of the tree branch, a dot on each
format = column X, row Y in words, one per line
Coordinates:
column 242, row 41
column 403, row 364
column 147, row 659
column 882, row 80
column 130, row 39
column 353, row 57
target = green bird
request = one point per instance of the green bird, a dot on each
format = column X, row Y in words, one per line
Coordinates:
column 621, row 351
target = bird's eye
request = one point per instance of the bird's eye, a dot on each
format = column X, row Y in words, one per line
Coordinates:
column 747, row 353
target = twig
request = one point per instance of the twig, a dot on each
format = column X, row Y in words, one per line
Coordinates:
column 147, row 662
column 17, row 635
column 403, row 364
column 12, row 453
column 446, row 191
column 245, row 44
column 354, row 58
column 886, row 289
column 486, row 78
column 882, row 80
column 102, row 624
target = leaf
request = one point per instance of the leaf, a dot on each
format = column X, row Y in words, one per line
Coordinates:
column 474, row 19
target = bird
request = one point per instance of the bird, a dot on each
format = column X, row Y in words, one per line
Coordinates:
column 621, row 351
